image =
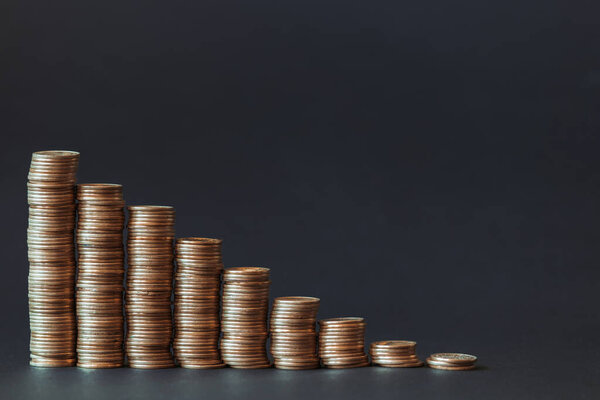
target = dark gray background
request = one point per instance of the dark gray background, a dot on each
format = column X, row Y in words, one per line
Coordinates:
column 432, row 166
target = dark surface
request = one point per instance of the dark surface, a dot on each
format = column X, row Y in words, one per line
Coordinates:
column 433, row 166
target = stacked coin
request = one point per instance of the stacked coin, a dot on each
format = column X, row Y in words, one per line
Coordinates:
column 395, row 353
column 100, row 278
column 149, row 286
column 244, row 317
column 293, row 332
column 452, row 361
column 51, row 252
column 342, row 342
column 197, row 298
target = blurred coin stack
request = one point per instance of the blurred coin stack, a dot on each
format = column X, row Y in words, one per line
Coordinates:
column 197, row 301
column 149, row 286
column 293, row 332
column 452, row 361
column 51, row 253
column 244, row 317
column 395, row 354
column 342, row 342
column 100, row 277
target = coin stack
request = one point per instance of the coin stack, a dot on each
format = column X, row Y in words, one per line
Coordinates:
column 395, row 354
column 452, row 361
column 149, row 286
column 51, row 253
column 197, row 298
column 244, row 317
column 100, row 278
column 293, row 332
column 342, row 342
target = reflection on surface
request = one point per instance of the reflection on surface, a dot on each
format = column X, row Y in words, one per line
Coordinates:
column 179, row 383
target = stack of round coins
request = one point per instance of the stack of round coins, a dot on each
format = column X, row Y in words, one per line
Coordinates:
column 342, row 342
column 452, row 361
column 100, row 278
column 244, row 317
column 51, row 252
column 395, row 353
column 293, row 332
column 149, row 286
column 197, row 298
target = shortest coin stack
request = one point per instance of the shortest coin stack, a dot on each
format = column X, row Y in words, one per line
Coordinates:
column 293, row 333
column 342, row 342
column 395, row 354
column 452, row 361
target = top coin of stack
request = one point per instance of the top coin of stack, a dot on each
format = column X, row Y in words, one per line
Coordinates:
column 51, row 198
column 395, row 353
column 452, row 361
column 293, row 332
column 149, row 286
column 100, row 278
column 342, row 342
column 197, row 298
column 244, row 317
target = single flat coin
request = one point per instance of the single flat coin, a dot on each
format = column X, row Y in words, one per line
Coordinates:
column 454, row 358
column 465, row 368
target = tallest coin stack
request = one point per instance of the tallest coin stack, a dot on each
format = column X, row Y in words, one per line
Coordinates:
column 51, row 253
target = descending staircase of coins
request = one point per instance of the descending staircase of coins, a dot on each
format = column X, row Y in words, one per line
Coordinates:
column 77, row 300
